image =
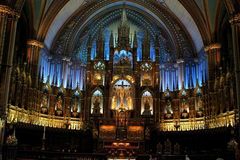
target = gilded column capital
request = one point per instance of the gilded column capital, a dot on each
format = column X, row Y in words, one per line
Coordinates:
column 7, row 10
column 212, row 46
column 35, row 43
column 235, row 19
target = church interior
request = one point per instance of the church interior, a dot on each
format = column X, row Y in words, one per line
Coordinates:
column 120, row 79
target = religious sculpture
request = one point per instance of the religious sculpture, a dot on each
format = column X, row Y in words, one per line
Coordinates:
column 75, row 108
column 147, row 107
column 44, row 104
column 168, row 109
column 58, row 106
column 96, row 105
column 122, row 97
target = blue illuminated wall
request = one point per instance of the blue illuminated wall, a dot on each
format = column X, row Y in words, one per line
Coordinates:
column 194, row 71
column 70, row 73
column 62, row 71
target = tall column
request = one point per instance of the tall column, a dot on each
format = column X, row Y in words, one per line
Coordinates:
column 33, row 52
column 8, row 26
column 213, row 55
column 235, row 25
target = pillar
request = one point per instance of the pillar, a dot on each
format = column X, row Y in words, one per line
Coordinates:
column 8, row 27
column 213, row 55
column 235, row 26
column 33, row 52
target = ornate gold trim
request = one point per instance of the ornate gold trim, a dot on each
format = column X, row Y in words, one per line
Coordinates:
column 35, row 43
column 235, row 19
column 15, row 115
column 222, row 120
column 8, row 10
column 212, row 46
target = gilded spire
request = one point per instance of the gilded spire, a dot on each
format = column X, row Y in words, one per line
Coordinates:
column 111, row 43
column 135, row 44
column 123, row 31
column 124, row 17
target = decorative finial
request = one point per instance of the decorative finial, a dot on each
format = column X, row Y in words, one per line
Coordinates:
column 135, row 44
column 124, row 15
column 111, row 43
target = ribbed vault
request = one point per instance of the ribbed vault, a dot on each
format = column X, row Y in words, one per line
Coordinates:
column 153, row 17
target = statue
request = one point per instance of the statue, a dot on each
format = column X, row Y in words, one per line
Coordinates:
column 58, row 106
column 168, row 109
column 75, row 108
column 96, row 105
column 147, row 107
column 44, row 104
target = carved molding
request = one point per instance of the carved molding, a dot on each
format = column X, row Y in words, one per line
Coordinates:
column 212, row 46
column 7, row 10
column 35, row 43
column 235, row 19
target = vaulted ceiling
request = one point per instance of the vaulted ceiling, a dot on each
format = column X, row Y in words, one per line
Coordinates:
column 202, row 19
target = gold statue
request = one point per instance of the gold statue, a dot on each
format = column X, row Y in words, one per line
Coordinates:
column 59, row 104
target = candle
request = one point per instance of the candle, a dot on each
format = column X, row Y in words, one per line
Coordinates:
column 44, row 131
